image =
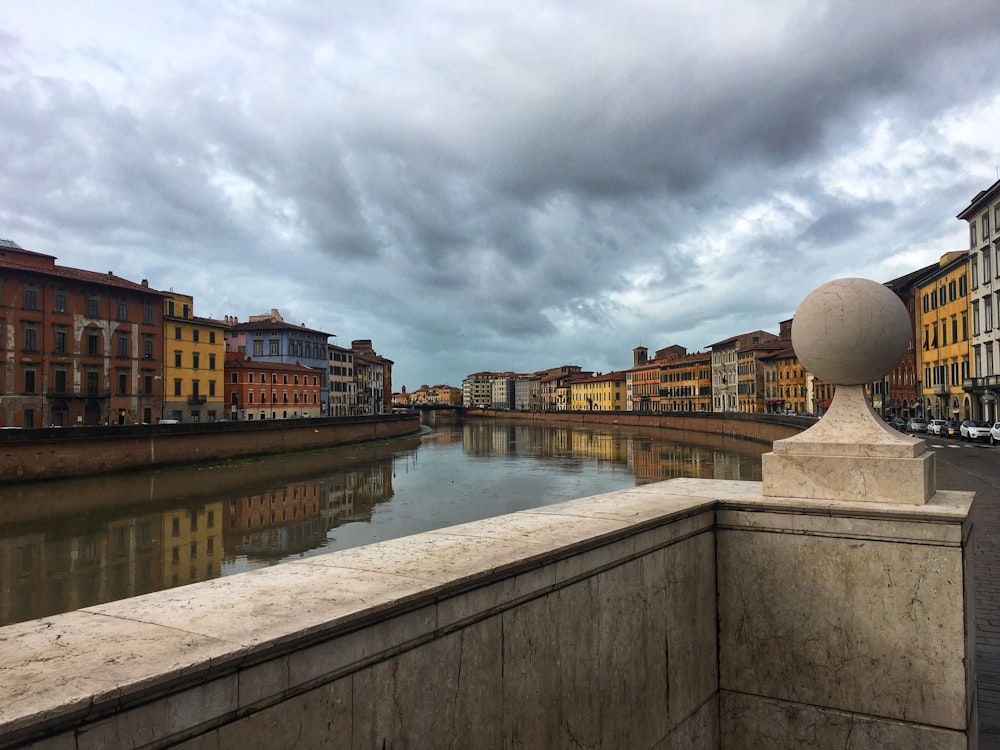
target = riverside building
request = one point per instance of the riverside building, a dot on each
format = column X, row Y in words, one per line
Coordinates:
column 79, row 347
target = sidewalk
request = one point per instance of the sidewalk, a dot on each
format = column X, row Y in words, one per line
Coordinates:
column 982, row 476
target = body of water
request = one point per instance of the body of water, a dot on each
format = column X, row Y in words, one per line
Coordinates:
column 73, row 543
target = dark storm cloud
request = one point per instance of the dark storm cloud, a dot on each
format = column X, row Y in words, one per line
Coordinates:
column 475, row 185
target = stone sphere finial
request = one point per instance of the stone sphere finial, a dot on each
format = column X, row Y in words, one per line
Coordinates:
column 851, row 331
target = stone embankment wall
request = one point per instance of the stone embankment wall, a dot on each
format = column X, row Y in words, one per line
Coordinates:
column 48, row 453
column 691, row 614
column 765, row 428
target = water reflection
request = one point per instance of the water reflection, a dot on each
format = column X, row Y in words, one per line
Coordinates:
column 73, row 543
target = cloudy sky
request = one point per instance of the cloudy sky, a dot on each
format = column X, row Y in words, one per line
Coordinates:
column 481, row 185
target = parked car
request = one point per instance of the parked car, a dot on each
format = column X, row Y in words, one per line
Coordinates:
column 936, row 427
column 897, row 423
column 995, row 433
column 973, row 430
column 916, row 425
column 951, row 429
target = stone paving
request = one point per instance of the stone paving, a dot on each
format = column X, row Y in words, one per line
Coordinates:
column 980, row 472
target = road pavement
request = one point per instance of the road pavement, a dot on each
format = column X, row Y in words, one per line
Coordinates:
column 976, row 467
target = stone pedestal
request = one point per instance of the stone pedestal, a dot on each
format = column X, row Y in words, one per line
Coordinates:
column 852, row 455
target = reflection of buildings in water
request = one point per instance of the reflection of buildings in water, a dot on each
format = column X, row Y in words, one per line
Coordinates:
column 276, row 522
column 654, row 461
column 354, row 494
column 600, row 445
column 192, row 544
column 43, row 573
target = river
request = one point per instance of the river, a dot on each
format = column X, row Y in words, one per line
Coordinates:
column 69, row 544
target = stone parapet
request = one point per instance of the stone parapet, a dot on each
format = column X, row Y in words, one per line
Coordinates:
column 733, row 619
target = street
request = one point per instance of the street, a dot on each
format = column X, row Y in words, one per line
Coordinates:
column 976, row 467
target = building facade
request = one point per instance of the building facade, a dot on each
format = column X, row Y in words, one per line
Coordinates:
column 194, row 363
column 341, row 383
column 599, row 393
column 78, row 347
column 268, row 338
column 942, row 327
column 983, row 382
column 270, row 390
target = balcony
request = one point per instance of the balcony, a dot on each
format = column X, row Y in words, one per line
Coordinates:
column 940, row 389
column 196, row 399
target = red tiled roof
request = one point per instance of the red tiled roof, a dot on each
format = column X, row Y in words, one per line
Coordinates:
column 76, row 274
column 275, row 325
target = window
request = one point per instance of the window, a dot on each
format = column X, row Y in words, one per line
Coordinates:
column 258, row 348
column 147, row 347
column 211, row 361
column 177, row 386
column 263, row 396
column 60, row 302
column 123, row 347
column 211, row 337
column 249, row 397
column 59, row 344
column 93, row 381
column 941, row 297
column 951, row 290
column 147, row 383
column 196, row 388
column 954, row 329
column 954, row 372
column 187, row 311
column 29, row 419
column 986, row 266
column 987, row 314
column 974, row 270
column 93, row 344
column 234, row 378
column 284, row 379
column 975, row 319
column 195, row 360
column 177, row 332
column 60, row 380
column 122, row 310
column 122, row 382
column 274, row 378
column 211, row 387
column 177, row 358
column 170, row 307
column 30, row 297
column 194, row 335
column 972, row 236
column 147, row 314
column 93, row 306
column 273, row 349
column 30, row 338
column 29, row 380
column 986, row 226
column 962, row 286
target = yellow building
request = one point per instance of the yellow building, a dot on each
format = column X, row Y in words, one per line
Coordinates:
column 599, row 393
column 943, row 336
column 686, row 383
column 194, row 362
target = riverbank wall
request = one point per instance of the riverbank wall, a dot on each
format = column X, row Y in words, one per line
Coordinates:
column 49, row 453
column 761, row 428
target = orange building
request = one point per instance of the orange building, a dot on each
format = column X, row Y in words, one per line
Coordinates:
column 270, row 390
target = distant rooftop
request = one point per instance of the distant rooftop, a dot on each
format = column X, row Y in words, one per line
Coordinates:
column 10, row 243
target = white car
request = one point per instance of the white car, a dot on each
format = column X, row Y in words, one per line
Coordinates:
column 972, row 430
column 995, row 434
column 916, row 425
column 936, row 427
